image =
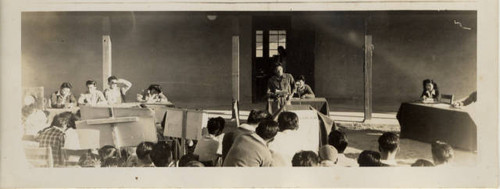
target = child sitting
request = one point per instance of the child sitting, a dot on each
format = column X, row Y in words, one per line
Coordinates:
column 161, row 154
column 209, row 148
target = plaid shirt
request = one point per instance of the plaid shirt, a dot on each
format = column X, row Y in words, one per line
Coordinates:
column 54, row 137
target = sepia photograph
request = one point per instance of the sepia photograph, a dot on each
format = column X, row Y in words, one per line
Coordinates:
column 313, row 96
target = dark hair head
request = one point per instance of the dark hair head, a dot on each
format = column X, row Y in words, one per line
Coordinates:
column 369, row 158
column 66, row 85
column 154, row 87
column 111, row 78
column 305, row 159
column 185, row 159
column 161, row 155
column 143, row 150
column 267, row 129
column 194, row 164
column 89, row 159
column 425, row 82
column 301, row 77
column 215, row 126
column 108, row 151
column 388, row 142
column 256, row 116
column 422, row 163
column 113, row 162
column 90, row 82
column 64, row 119
column 288, row 120
column 441, row 152
column 338, row 140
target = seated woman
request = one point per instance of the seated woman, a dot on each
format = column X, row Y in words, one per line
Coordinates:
column 302, row 90
column 152, row 94
column 63, row 97
column 430, row 91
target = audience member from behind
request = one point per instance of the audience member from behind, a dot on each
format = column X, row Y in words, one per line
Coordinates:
column 430, row 91
column 185, row 159
column 113, row 162
column 153, row 94
column 89, row 159
column 285, row 143
column 388, row 145
column 92, row 96
column 369, row 158
column 161, row 154
column 142, row 156
column 339, row 140
column 305, row 159
column 328, row 156
column 63, row 97
column 34, row 119
column 209, row 147
column 115, row 94
column 71, row 137
column 442, row 153
column 253, row 120
column 422, row 163
column 54, row 137
column 302, row 90
column 250, row 150
column 108, row 151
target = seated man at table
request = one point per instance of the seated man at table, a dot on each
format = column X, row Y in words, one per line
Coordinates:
column 302, row 90
column 63, row 97
column 115, row 94
column 92, row 96
column 279, row 86
column 466, row 101
column 388, row 145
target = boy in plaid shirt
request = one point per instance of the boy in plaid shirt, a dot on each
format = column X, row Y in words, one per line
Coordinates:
column 54, row 137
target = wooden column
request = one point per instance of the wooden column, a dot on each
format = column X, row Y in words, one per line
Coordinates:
column 236, row 78
column 106, row 51
column 367, row 69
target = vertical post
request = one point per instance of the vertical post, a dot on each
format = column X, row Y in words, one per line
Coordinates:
column 367, row 69
column 184, row 132
column 106, row 60
column 236, row 78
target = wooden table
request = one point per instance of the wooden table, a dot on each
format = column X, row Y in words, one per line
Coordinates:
column 430, row 122
column 319, row 104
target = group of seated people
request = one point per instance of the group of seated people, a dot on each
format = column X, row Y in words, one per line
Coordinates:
column 115, row 94
column 260, row 142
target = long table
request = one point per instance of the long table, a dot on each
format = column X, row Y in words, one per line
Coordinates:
column 430, row 122
column 319, row 104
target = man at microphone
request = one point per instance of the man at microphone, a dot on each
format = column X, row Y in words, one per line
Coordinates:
column 279, row 87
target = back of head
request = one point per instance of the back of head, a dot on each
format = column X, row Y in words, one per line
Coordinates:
column 108, row 151
column 256, row 116
column 288, row 121
column 369, row 158
column 66, row 85
column 185, row 159
column 161, row 155
column 215, row 126
column 64, row 119
column 441, row 152
column 338, row 140
column 89, row 160
column 267, row 129
column 112, row 162
column 388, row 142
column 422, row 163
column 328, row 152
column 143, row 150
column 194, row 163
column 305, row 159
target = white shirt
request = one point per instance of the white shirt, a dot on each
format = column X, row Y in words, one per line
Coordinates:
column 285, row 143
column 209, row 147
column 343, row 161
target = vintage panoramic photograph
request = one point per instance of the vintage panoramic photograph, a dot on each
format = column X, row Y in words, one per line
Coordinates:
column 289, row 94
